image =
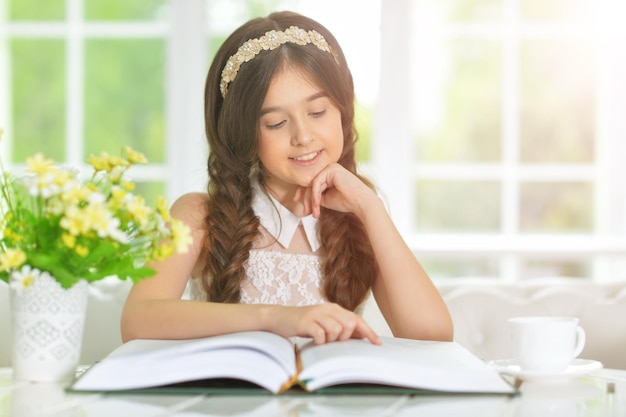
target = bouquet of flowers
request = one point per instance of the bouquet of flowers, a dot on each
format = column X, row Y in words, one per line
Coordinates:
column 53, row 223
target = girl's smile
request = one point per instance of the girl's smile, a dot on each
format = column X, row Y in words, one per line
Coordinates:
column 310, row 157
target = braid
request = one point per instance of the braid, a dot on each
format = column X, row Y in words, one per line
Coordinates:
column 349, row 265
column 232, row 227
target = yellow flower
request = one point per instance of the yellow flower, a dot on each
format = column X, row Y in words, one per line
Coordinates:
column 40, row 165
column 97, row 218
column 118, row 194
column 72, row 221
column 138, row 209
column 75, row 195
column 82, row 250
column 116, row 174
column 106, row 162
column 118, row 161
column 135, row 157
column 11, row 235
column 163, row 251
column 118, row 198
column 128, row 186
column 181, row 236
column 162, row 209
column 1, row 133
column 68, row 240
column 62, row 177
column 99, row 163
column 11, row 259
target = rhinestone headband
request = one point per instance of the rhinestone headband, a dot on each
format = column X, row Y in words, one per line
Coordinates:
column 268, row 42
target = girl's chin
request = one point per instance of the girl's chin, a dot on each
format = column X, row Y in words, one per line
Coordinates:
column 300, row 181
column 284, row 187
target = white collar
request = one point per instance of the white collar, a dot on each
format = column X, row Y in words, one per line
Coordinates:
column 279, row 221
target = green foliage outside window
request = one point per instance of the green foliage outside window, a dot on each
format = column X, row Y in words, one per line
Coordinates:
column 38, row 107
column 122, row 9
column 36, row 10
column 363, row 119
column 124, row 96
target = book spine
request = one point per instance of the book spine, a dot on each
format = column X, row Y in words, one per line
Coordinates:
column 295, row 378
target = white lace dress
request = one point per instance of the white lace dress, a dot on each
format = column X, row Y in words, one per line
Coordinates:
column 274, row 273
column 275, row 277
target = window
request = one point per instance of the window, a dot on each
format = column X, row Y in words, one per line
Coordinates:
column 86, row 78
column 494, row 128
column 512, row 135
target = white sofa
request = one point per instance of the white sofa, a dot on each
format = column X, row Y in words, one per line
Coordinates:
column 479, row 308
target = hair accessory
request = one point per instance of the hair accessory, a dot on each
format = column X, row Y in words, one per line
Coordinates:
column 268, row 42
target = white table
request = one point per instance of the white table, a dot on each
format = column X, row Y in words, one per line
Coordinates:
column 601, row 394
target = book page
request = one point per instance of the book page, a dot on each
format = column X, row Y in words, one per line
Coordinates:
column 263, row 358
column 437, row 366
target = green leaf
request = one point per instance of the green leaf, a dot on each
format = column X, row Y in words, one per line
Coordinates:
column 137, row 274
column 101, row 251
column 53, row 265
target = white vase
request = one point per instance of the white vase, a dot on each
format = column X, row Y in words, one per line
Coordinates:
column 48, row 325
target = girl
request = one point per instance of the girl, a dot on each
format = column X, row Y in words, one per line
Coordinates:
column 289, row 238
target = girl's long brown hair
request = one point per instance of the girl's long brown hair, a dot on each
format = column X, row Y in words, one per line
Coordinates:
column 349, row 265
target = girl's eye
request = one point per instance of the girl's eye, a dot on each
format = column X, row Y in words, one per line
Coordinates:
column 318, row 113
column 276, row 125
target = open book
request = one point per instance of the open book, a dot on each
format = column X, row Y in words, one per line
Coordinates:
column 266, row 360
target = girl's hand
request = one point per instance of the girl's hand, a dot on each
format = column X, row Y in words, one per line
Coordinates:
column 323, row 323
column 335, row 188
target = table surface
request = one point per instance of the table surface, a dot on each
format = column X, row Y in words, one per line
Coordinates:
column 601, row 394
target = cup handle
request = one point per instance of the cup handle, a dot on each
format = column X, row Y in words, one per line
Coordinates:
column 580, row 341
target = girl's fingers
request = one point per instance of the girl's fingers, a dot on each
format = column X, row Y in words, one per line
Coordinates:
column 318, row 334
column 344, row 325
column 331, row 327
column 320, row 184
column 302, row 195
column 366, row 332
column 323, row 323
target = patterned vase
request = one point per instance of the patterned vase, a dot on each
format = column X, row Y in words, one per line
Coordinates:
column 48, row 324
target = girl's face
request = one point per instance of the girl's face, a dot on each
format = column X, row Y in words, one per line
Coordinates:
column 300, row 132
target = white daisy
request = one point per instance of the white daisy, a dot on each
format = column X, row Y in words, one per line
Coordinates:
column 24, row 278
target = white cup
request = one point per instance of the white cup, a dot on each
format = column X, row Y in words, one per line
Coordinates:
column 546, row 343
